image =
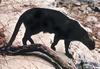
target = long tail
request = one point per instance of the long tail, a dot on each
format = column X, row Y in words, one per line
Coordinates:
column 15, row 32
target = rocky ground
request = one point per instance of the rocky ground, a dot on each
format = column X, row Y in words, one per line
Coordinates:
column 12, row 9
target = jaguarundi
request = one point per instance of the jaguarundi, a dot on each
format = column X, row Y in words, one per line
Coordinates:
column 36, row 20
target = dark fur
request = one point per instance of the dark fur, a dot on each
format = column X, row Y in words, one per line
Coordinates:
column 52, row 21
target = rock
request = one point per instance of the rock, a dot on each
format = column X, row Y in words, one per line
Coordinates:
column 98, row 35
column 24, row 62
column 92, row 19
column 89, row 9
column 84, row 57
column 86, row 1
column 74, row 1
column 97, row 25
column 96, row 9
column 77, row 3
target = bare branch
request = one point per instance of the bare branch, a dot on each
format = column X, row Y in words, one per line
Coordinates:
column 43, row 49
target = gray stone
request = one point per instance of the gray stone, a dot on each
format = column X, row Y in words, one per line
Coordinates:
column 84, row 57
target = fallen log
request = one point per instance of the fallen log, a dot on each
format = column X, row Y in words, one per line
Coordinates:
column 41, row 48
